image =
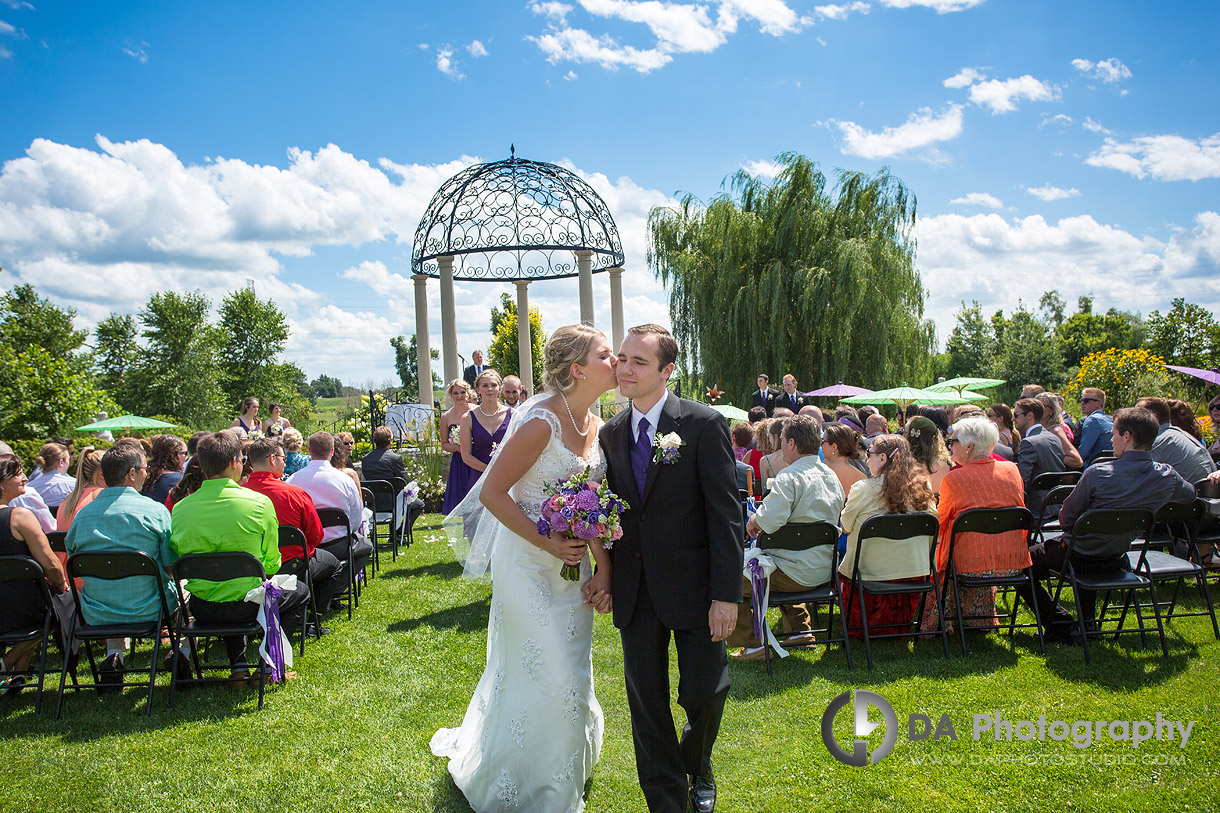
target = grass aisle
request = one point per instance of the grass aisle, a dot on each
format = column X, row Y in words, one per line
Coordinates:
column 351, row 732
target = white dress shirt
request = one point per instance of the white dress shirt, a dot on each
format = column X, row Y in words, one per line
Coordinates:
column 31, row 500
column 54, row 487
column 653, row 415
column 331, row 488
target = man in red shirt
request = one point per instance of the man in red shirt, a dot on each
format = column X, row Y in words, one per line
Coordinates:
column 294, row 506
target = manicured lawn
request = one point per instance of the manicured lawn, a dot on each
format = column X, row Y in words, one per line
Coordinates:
column 351, row 732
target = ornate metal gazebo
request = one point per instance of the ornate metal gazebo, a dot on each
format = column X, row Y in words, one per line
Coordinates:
column 512, row 221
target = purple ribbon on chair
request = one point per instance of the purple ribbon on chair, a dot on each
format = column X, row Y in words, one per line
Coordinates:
column 758, row 587
column 275, row 643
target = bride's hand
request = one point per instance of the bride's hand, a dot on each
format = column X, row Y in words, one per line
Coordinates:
column 570, row 551
column 597, row 591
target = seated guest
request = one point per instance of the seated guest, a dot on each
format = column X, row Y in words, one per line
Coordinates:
column 330, row 488
column 1001, row 416
column 742, row 434
column 342, row 456
column 1096, row 425
column 1032, row 390
column 979, row 481
column 928, row 449
column 774, row 463
column 165, row 467
column 1182, row 415
column 382, row 464
column 840, row 448
column 1041, row 451
column 53, row 483
column 939, row 417
column 224, row 517
column 1213, row 412
column 1186, row 455
column 293, row 441
column 805, row 491
column 898, row 486
column 23, row 604
column 118, row 518
column 1052, row 421
column 847, row 411
column 192, row 443
column 756, row 414
column 88, row 483
column 294, row 506
column 875, row 426
column 814, row 412
column 784, row 412
column 192, row 478
column 762, row 448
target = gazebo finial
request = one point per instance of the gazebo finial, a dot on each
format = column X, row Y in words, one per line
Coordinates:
column 512, row 150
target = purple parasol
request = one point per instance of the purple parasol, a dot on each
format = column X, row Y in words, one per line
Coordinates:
column 1210, row 376
column 839, row 390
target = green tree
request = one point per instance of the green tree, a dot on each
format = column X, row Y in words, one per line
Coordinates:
column 327, row 387
column 115, row 353
column 504, row 353
column 1026, row 352
column 1187, row 335
column 253, row 335
column 1085, row 332
column 970, row 350
column 796, row 279
column 179, row 372
column 29, row 320
column 406, row 363
column 42, row 394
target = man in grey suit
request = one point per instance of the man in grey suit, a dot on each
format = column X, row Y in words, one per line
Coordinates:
column 1040, row 450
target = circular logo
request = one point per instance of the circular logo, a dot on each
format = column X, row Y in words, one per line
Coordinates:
column 860, row 700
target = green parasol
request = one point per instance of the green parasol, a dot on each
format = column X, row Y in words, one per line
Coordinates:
column 125, row 422
column 903, row 396
column 959, row 384
column 731, row 412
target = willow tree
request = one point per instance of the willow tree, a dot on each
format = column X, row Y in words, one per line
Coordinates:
column 789, row 276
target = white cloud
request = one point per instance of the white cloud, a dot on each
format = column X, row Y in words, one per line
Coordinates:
column 939, row 6
column 570, row 76
column 1001, row 95
column 5, row 53
column 1093, row 126
column 7, row 29
column 446, row 64
column 1050, row 193
column 139, row 53
column 1163, row 157
column 576, row 45
column 1059, row 119
column 17, row 5
column 922, row 129
column 476, row 49
column 964, row 78
column 837, row 12
column 552, row 10
column 1110, row 71
column 763, row 168
column 979, row 199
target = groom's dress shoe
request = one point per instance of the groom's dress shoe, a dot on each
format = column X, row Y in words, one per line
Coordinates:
column 703, row 793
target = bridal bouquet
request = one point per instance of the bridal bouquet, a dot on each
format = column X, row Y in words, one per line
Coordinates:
column 582, row 509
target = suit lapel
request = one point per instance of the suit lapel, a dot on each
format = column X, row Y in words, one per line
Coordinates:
column 669, row 422
column 620, row 449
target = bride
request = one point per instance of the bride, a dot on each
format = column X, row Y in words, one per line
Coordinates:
column 533, row 729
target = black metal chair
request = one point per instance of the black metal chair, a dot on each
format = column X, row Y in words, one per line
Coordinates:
column 292, row 538
column 408, row 520
column 370, row 502
column 1046, row 482
column 1102, row 458
column 1208, row 532
column 899, row 528
column 19, row 569
column 1160, row 566
column 217, row 567
column 991, row 521
column 1121, row 526
column 334, row 518
column 112, row 565
column 383, row 493
column 56, row 541
column 800, row 536
column 1047, row 528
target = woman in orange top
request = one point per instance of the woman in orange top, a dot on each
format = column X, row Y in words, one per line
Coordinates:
column 89, row 484
column 980, row 481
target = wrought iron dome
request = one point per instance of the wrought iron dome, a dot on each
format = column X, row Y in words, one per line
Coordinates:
column 515, row 219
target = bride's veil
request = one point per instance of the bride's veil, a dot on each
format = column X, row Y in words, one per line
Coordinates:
column 473, row 530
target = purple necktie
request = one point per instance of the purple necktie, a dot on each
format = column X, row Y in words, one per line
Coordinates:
column 640, row 453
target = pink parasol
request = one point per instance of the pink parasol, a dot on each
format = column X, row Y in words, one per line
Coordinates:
column 1210, row 376
column 839, row 390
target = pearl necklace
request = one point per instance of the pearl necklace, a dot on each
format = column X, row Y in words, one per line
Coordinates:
column 573, row 418
column 491, row 414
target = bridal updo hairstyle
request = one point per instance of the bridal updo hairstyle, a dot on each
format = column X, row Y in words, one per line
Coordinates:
column 568, row 345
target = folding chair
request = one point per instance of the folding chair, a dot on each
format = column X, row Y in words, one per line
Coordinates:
column 1046, row 482
column 217, row 567
column 334, row 518
column 1160, row 566
column 19, row 569
column 1047, row 527
column 799, row 536
column 112, row 565
column 56, row 541
column 1121, row 525
column 370, row 502
column 407, row 520
column 1102, row 458
column 991, row 521
column 1208, row 533
column 383, row 493
column 293, row 537
column 899, row 528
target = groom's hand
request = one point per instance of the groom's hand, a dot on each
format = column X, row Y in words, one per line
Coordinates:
column 721, row 619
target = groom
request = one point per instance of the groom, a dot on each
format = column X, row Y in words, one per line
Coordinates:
column 677, row 570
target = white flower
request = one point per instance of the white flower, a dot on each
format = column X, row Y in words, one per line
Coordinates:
column 670, row 441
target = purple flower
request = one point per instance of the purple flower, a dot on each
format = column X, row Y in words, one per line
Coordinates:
column 587, row 501
column 567, row 512
column 559, row 524
column 584, row 530
column 544, row 528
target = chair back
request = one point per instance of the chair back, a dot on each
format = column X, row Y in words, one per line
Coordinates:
column 383, row 492
column 20, row 569
column 1102, row 458
column 57, row 541
column 1180, row 512
column 293, row 537
column 399, row 484
column 1053, row 479
column 1051, row 503
column 1207, row 489
column 334, row 518
column 112, row 564
column 1119, row 527
column 800, row 536
column 993, row 520
column 218, row 567
column 899, row 528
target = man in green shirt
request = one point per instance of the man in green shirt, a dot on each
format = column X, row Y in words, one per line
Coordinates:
column 224, row 517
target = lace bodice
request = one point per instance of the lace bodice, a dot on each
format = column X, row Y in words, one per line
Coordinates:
column 556, row 462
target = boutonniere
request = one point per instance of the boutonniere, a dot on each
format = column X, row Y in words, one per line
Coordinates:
column 665, row 448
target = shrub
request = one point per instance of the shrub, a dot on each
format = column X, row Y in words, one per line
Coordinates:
column 1124, row 375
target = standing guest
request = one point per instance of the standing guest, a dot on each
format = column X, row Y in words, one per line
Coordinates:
column 292, row 447
column 1040, row 452
column 774, row 463
column 247, row 422
column 511, row 390
column 1095, row 426
column 805, row 491
column 1032, row 390
column 330, row 488
column 192, row 478
column 1182, row 415
column 898, row 486
column 54, row 484
column 1177, row 448
column 119, row 518
column 88, row 483
column 476, row 369
column 840, row 446
column 461, row 396
column 1213, row 411
column 790, row 398
column 165, row 467
column 275, row 424
column 23, row 604
column 224, row 517
column 482, row 428
column 383, row 464
column 1052, row 421
column 1001, row 416
column 294, row 506
column 764, row 397
column 928, row 449
column 341, row 457
column 741, row 435
column 979, row 481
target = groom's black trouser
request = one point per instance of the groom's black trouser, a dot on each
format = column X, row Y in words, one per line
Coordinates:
column 662, row 761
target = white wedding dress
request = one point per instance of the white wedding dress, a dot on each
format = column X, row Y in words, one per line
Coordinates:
column 533, row 730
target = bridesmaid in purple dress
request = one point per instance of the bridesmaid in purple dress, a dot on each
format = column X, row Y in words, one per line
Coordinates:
column 483, row 427
column 456, row 485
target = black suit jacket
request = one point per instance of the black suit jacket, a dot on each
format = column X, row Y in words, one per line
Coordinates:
column 684, row 534
column 470, row 375
column 1038, row 454
column 382, row 464
column 756, row 399
column 781, row 400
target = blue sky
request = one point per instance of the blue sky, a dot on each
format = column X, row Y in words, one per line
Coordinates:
column 153, row 146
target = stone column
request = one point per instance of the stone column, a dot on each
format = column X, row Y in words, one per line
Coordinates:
column 423, row 361
column 449, row 349
column 584, row 262
column 616, row 307
column 525, row 351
